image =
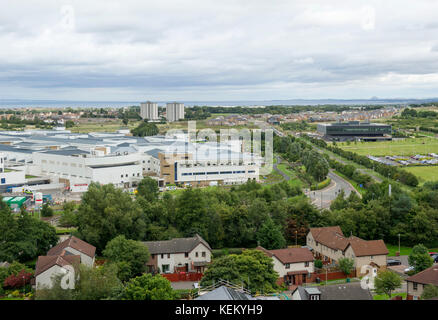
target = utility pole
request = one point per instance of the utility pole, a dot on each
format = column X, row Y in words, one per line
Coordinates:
column 296, row 237
column 399, row 243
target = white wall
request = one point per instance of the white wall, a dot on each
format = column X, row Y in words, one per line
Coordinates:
column 85, row 260
column 13, row 177
column 282, row 271
column 44, row 280
column 180, row 258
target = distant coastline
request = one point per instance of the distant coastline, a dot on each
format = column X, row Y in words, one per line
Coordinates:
column 11, row 103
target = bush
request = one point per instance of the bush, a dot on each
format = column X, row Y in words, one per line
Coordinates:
column 318, row 264
column 321, row 185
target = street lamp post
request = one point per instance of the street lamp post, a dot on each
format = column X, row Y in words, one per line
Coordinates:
column 296, row 237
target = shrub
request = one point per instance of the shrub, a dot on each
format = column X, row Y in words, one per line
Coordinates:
column 318, row 264
column 321, row 185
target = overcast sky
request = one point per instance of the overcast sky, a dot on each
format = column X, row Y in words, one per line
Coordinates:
column 218, row 50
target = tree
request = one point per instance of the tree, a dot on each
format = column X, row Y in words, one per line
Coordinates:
column 46, row 211
column 346, row 265
column 18, row 280
column 419, row 258
column 149, row 287
column 106, row 212
column 145, row 129
column 386, row 282
column 133, row 253
column 252, row 268
column 68, row 217
column 148, row 188
column 270, row 237
column 69, row 124
column 97, row 283
column 23, row 237
column 430, row 291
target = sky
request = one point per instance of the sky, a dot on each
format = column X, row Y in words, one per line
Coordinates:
column 218, row 50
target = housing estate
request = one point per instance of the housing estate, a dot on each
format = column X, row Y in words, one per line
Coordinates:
column 329, row 244
column 293, row 265
column 179, row 255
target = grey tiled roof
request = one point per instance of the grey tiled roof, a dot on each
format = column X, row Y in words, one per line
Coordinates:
column 224, row 293
column 177, row 245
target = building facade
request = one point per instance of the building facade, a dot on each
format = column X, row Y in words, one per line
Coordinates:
column 174, row 111
column 149, row 110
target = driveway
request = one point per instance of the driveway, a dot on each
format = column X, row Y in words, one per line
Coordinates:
column 179, row 285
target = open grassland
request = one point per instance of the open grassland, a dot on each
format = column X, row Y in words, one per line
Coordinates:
column 404, row 251
column 424, row 174
column 406, row 147
column 107, row 126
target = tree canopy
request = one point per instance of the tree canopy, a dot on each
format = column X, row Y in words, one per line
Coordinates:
column 149, row 287
column 106, row 212
column 253, row 269
column 131, row 256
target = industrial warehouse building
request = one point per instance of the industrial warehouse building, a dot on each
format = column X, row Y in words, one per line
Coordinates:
column 355, row 130
column 79, row 159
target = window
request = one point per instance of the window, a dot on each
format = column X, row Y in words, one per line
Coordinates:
column 196, row 254
column 415, row 286
column 164, row 268
column 121, row 176
column 306, row 264
column 168, row 255
column 186, row 254
column 203, row 254
column 314, row 297
column 162, row 256
column 287, row 266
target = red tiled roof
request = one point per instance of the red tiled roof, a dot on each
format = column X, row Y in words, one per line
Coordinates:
column 289, row 255
column 428, row 276
column 74, row 243
column 333, row 237
column 46, row 262
column 368, row 248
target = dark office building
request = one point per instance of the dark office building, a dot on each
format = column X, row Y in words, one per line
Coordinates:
column 355, row 130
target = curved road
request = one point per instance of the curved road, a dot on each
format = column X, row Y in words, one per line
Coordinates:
column 324, row 197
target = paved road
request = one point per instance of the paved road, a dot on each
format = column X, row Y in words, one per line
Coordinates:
column 339, row 159
column 285, row 176
column 323, row 198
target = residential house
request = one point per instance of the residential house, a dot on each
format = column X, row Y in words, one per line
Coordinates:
column 294, row 265
column 329, row 245
column 417, row 282
column 64, row 258
column 48, row 267
column 345, row 291
column 179, row 255
column 75, row 246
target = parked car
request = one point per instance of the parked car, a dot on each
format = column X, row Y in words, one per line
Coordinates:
column 409, row 269
column 393, row 262
column 435, row 258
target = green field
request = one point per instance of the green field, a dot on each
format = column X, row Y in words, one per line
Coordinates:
column 404, row 251
column 424, row 174
column 406, row 147
column 107, row 126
